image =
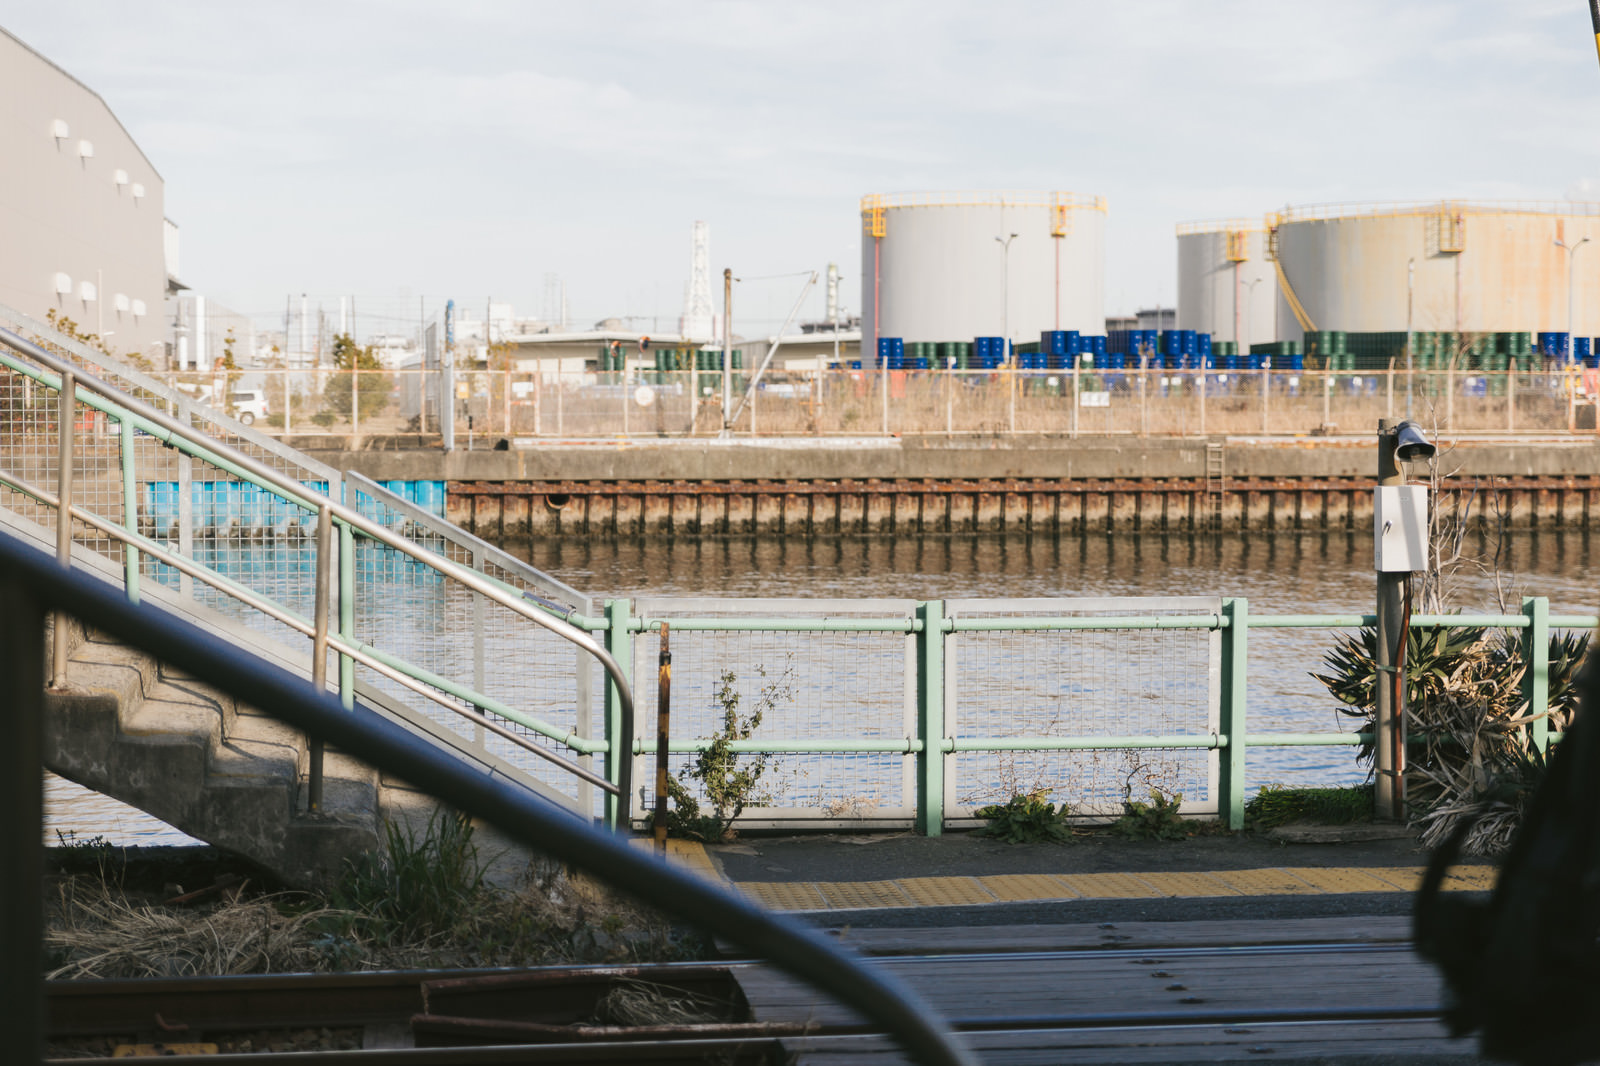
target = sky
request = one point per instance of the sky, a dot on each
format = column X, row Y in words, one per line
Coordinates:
column 400, row 153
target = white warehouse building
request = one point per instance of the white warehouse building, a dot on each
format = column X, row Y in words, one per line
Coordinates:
column 81, row 226
column 954, row 266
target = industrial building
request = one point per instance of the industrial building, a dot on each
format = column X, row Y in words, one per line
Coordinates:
column 1458, row 266
column 944, row 267
column 82, row 231
column 1221, row 266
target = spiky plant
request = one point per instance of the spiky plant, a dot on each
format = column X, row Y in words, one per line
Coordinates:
column 1472, row 755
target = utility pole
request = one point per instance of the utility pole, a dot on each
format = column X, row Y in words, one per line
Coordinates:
column 1411, row 285
column 1390, row 585
column 727, row 349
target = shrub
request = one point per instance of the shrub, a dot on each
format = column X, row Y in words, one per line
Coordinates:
column 1156, row 820
column 1027, row 818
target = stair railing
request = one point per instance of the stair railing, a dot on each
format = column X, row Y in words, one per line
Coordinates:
column 135, row 416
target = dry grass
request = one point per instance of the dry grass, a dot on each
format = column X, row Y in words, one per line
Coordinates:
column 423, row 904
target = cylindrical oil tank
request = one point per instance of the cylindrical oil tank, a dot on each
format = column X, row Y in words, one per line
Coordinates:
column 1225, row 281
column 953, row 266
column 1459, row 266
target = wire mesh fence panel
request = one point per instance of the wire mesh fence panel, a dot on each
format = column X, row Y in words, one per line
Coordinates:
column 805, row 686
column 209, row 503
column 411, row 611
column 1082, row 684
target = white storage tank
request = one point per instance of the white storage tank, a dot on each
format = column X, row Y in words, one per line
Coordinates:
column 938, row 266
column 1225, row 281
column 1474, row 267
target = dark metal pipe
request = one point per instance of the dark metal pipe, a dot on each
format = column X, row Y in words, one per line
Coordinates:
column 518, row 811
column 663, row 735
column 22, row 800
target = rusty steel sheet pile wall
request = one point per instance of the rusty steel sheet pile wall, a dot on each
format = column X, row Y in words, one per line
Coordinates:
column 904, row 507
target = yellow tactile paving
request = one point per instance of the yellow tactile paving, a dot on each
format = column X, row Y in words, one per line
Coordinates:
column 945, row 891
column 1014, row 888
column 1460, row 879
column 1109, row 886
column 1264, row 882
column 1470, row 879
column 784, row 896
column 844, row 895
column 1340, row 879
column 1188, row 884
column 1018, row 888
column 688, row 854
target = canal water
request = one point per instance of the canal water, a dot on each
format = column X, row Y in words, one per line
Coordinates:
column 1279, row 574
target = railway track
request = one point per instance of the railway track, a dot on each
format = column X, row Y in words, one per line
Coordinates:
column 741, row 1011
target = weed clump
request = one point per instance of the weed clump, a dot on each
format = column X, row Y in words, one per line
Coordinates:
column 1157, row 820
column 1277, row 805
column 1027, row 818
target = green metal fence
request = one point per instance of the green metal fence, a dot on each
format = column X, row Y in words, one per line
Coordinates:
column 916, row 723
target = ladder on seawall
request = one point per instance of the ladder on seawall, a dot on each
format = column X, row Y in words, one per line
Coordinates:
column 1216, row 484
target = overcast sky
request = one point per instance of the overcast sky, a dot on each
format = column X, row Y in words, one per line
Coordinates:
column 402, row 152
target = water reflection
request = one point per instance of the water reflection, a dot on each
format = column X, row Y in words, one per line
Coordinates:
column 1312, row 573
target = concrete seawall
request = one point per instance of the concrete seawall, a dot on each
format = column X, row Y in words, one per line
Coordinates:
column 910, row 487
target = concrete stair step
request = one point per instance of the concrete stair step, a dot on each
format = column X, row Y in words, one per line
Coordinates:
column 223, row 773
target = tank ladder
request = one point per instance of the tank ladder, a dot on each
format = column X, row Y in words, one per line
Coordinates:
column 1216, row 485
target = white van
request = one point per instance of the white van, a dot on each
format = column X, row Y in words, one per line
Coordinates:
column 247, row 405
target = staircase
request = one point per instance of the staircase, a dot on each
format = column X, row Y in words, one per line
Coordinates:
column 328, row 563
column 142, row 733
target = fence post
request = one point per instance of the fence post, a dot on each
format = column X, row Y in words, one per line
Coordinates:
column 619, row 642
column 347, row 612
column 130, row 513
column 1536, row 660
column 1235, row 676
column 930, row 718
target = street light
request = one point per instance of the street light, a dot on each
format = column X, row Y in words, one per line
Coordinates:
column 1572, row 251
column 1005, row 294
column 1248, row 290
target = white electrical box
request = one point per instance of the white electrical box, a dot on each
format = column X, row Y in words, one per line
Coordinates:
column 1400, row 528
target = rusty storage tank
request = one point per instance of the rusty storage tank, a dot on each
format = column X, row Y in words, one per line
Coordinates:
column 946, row 266
column 1460, row 266
column 1225, row 282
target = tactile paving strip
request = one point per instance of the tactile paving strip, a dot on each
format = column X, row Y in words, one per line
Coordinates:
column 845, row 895
column 688, row 855
column 1188, row 884
column 1109, row 886
column 1264, row 882
column 1013, row 888
column 1341, row 879
column 945, row 891
column 784, row 895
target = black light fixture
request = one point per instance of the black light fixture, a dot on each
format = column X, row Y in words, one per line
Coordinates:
column 1411, row 444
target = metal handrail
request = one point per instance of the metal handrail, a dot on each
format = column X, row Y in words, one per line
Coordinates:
column 31, row 581
column 112, row 401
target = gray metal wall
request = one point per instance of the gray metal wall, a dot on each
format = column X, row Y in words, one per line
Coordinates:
column 1349, row 271
column 64, row 212
column 941, row 275
column 1216, row 295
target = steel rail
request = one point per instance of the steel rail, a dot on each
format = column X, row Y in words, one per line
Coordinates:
column 120, row 405
column 515, row 808
column 422, row 682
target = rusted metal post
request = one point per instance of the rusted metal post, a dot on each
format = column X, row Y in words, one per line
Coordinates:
column 663, row 733
column 66, row 407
